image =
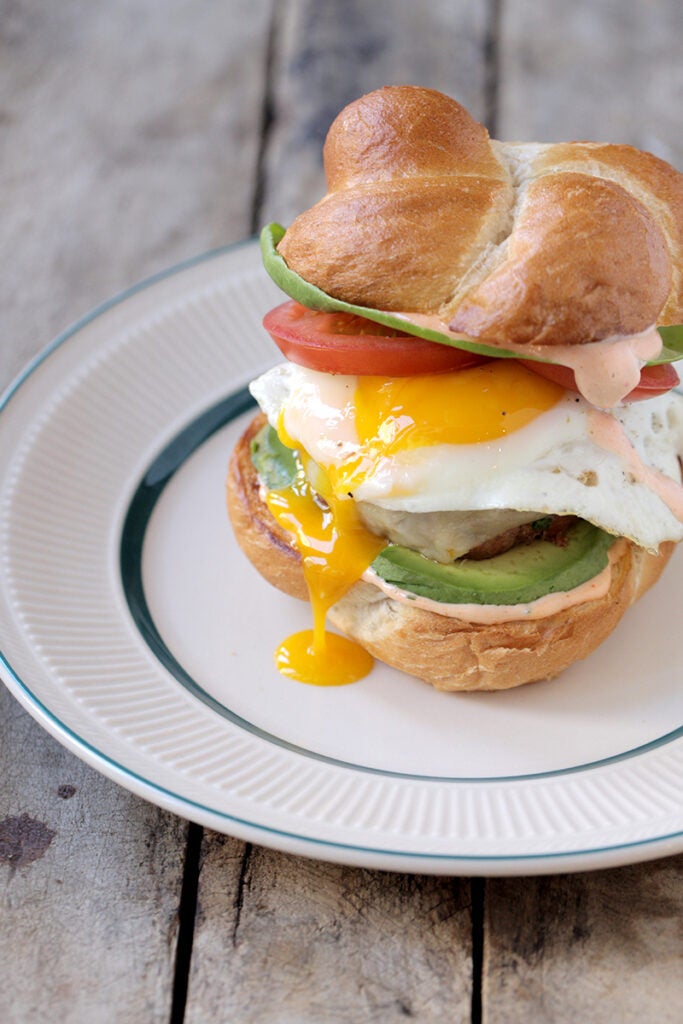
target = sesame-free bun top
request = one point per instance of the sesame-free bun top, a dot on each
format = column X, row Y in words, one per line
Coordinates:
column 505, row 242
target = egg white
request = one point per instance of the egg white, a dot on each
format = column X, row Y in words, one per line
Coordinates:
column 556, row 464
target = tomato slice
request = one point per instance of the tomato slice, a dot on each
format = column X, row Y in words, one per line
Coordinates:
column 654, row 380
column 344, row 343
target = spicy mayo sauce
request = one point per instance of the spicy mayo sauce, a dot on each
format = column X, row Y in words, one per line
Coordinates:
column 605, row 371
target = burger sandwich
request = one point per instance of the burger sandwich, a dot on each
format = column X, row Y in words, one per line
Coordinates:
column 469, row 459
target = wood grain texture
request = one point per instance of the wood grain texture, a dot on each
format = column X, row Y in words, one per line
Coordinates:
column 130, row 142
column 283, row 940
column 608, row 71
column 601, row 947
column 130, row 138
column 89, row 884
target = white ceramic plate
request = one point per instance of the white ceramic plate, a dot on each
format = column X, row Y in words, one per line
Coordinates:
column 135, row 631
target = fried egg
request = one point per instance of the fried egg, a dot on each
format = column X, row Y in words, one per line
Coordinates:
column 495, row 436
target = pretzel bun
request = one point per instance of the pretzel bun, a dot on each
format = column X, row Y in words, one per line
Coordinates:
column 522, row 243
column 451, row 654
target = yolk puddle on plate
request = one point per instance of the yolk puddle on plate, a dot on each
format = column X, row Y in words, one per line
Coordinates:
column 391, row 415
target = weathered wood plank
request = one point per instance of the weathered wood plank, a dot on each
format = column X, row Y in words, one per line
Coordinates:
column 283, row 940
column 89, row 884
column 609, row 71
column 130, row 141
column 600, row 947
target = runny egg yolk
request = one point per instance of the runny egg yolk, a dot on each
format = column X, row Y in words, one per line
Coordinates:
column 335, row 549
column 464, row 407
column 391, row 415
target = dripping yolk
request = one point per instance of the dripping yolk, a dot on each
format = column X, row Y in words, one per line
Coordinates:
column 336, row 549
column 391, row 415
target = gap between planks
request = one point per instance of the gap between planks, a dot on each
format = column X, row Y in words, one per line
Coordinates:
column 187, row 916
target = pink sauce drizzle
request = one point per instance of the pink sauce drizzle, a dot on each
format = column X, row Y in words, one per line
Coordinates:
column 605, row 370
column 609, row 434
column 489, row 614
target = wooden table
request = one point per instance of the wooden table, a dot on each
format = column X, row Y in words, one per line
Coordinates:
column 138, row 134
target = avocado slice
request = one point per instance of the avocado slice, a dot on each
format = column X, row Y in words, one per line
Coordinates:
column 517, row 576
column 308, row 295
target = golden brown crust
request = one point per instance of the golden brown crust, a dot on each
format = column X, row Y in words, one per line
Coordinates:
column 448, row 653
column 543, row 294
column 368, row 140
column 374, row 257
column 416, row 194
column 653, row 182
column 552, row 244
